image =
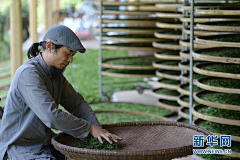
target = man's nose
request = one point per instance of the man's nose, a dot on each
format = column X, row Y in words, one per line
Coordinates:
column 70, row 59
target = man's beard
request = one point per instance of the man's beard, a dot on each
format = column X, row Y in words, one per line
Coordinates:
column 56, row 73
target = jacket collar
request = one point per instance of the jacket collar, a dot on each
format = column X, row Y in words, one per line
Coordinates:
column 43, row 65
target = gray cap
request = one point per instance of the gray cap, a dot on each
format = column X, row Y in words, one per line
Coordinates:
column 62, row 35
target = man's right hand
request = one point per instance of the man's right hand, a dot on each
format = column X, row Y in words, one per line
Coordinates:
column 97, row 131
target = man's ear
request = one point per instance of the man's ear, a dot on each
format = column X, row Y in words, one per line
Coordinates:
column 49, row 46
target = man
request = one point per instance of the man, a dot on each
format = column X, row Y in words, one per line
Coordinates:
column 35, row 93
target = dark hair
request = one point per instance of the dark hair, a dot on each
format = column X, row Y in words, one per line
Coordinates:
column 33, row 51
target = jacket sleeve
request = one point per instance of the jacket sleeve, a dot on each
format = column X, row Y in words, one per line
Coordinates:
column 32, row 89
column 75, row 104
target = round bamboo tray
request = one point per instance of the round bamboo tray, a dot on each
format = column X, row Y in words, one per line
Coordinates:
column 173, row 25
column 148, row 8
column 198, row 32
column 198, row 69
column 181, row 89
column 214, row 26
column 164, row 45
column 206, row 4
column 186, row 54
column 160, row 65
column 147, row 146
column 169, row 15
column 233, row 138
column 124, row 75
column 164, row 96
column 134, row 47
column 132, row 23
column 214, row 88
column 162, row 56
column 213, row 119
column 198, row 54
column 161, row 6
column 227, row 10
column 182, row 112
column 207, row 19
column 186, row 65
column 186, row 43
column 130, row 67
column 161, row 84
column 129, row 2
column 197, row 98
column 164, row 35
column 181, row 101
column 132, row 30
column 160, row 73
column 130, row 40
column 209, row 40
column 167, row 106
column 185, row 77
column 115, row 12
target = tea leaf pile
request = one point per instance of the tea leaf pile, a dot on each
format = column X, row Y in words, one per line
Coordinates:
column 176, row 53
column 222, row 98
column 93, row 143
column 228, row 39
column 170, row 72
column 220, row 128
column 226, row 68
column 172, row 103
column 168, row 92
column 230, row 52
column 221, row 113
column 195, row 88
column 228, row 24
column 223, row 82
column 130, row 44
column 132, row 36
column 186, row 99
column 124, row 71
column 171, row 63
column 169, row 81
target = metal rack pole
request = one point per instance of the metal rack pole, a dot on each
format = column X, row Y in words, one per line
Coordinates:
column 100, row 47
column 191, row 61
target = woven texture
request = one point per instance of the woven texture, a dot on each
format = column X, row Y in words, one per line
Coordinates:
column 141, row 140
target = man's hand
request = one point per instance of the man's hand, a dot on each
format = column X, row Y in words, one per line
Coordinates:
column 97, row 131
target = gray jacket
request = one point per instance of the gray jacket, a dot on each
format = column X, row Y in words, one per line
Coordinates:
column 32, row 110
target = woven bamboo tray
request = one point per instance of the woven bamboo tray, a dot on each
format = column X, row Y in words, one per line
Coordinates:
column 227, row 10
column 181, row 89
column 213, row 119
column 198, row 69
column 164, row 45
column 132, row 23
column 182, row 102
column 115, row 12
column 169, row 15
column 161, row 84
column 186, row 54
column 161, row 6
column 130, row 40
column 213, row 26
column 197, row 98
column 205, row 20
column 164, row 35
column 198, row 54
column 161, row 74
column 167, row 106
column 164, row 96
column 141, row 146
column 209, row 40
column 161, row 56
column 131, row 30
column 198, row 32
column 148, row 8
column 173, row 25
column 130, row 67
column 122, row 75
column 182, row 112
column 185, row 77
column 160, row 65
column 132, row 48
column 233, row 138
column 186, row 43
column 214, row 88
column 186, row 65
column 120, row 3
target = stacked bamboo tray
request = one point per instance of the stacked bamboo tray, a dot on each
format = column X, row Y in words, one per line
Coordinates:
column 218, row 110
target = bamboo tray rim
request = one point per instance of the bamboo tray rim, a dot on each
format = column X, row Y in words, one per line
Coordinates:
column 168, row 25
column 112, row 47
column 183, row 54
column 105, row 73
column 167, row 36
column 168, row 86
column 167, row 76
column 197, row 69
column 164, row 96
column 214, row 88
column 212, row 118
column 166, row 46
column 186, row 43
column 197, row 54
column 173, row 152
column 183, row 114
column 205, row 33
column 167, row 106
column 208, row 26
column 231, row 11
column 165, row 66
column 233, row 138
column 205, row 20
column 203, row 40
column 184, row 91
column 213, row 104
column 167, row 57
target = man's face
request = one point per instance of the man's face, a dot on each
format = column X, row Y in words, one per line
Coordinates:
column 61, row 58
